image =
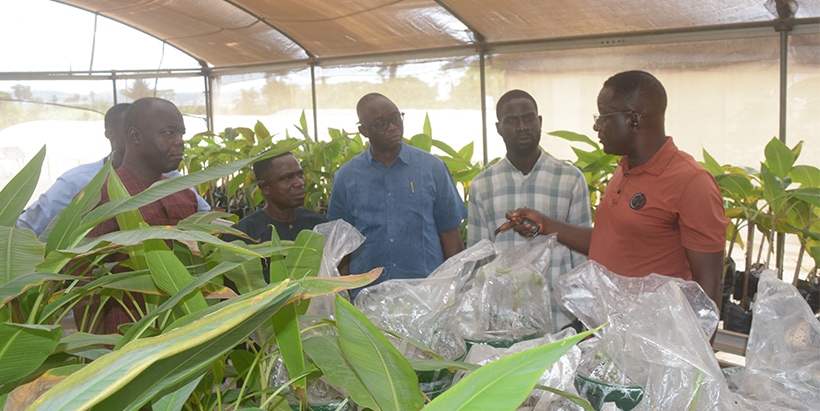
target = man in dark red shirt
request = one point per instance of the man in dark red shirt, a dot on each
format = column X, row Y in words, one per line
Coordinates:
column 154, row 129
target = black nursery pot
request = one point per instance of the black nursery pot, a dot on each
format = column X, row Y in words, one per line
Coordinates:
column 811, row 292
column 736, row 318
column 737, row 292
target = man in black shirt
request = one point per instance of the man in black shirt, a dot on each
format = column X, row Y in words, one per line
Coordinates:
column 282, row 182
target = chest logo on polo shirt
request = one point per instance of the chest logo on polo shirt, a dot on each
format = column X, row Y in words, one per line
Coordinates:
column 637, row 201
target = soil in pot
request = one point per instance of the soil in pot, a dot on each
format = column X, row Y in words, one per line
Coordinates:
column 751, row 289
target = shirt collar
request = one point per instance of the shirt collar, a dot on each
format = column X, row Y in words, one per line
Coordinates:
column 657, row 163
column 538, row 163
column 404, row 155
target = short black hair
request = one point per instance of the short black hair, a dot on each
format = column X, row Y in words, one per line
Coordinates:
column 513, row 94
column 367, row 98
column 262, row 166
column 139, row 109
column 113, row 112
column 636, row 83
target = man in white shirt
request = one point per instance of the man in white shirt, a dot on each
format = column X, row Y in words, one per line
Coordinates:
column 39, row 214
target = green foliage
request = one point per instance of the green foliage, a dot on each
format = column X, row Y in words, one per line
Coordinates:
column 195, row 344
column 779, row 197
column 596, row 165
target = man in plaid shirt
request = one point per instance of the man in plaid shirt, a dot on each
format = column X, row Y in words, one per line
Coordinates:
column 526, row 176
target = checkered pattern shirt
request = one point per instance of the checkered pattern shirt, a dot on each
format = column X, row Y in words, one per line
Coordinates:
column 553, row 187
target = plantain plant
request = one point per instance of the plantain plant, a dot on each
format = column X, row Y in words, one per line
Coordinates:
column 198, row 345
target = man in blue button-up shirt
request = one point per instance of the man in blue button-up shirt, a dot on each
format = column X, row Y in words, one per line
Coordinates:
column 402, row 199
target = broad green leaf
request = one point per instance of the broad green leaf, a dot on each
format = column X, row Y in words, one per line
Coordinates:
column 172, row 185
column 445, row 148
column 382, row 369
column 503, row 384
column 171, row 276
column 28, row 392
column 81, row 343
column 810, row 195
column 327, row 354
column 807, row 176
column 260, row 130
column 738, row 186
column 172, row 301
column 15, row 195
column 128, row 378
column 20, row 252
column 305, row 256
column 422, row 142
column 772, row 188
column 779, row 158
column 23, row 347
column 70, row 219
column 466, row 152
column 571, row 136
column 303, row 260
column 710, row 164
column 316, row 286
column 247, row 275
column 427, row 128
column 25, row 282
column 136, row 237
column 797, row 149
column 206, row 218
column 175, row 400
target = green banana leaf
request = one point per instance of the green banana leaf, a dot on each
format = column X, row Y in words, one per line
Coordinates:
column 302, row 260
column 27, row 281
column 128, row 378
column 23, row 347
column 171, row 276
column 85, row 345
column 15, row 195
column 174, row 401
column 779, row 158
column 388, row 376
column 60, row 232
column 20, row 252
column 145, row 322
column 503, row 384
column 327, row 354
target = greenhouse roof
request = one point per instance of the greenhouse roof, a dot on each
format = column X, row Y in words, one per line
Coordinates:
column 243, row 34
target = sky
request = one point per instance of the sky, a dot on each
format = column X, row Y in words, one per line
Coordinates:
column 49, row 36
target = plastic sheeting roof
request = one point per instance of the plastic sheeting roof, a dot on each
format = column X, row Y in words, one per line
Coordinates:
column 238, row 33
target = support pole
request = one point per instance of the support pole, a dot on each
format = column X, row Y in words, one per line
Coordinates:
column 313, row 100
column 114, row 84
column 209, row 103
column 483, row 79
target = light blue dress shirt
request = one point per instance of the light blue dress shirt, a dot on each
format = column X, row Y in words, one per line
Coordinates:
column 399, row 209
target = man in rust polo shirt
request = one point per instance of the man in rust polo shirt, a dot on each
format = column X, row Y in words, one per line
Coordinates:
column 662, row 212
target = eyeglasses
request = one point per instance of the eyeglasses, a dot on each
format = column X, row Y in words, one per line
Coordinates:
column 596, row 117
column 381, row 124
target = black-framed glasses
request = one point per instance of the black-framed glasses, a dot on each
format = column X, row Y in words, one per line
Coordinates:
column 381, row 124
column 596, row 117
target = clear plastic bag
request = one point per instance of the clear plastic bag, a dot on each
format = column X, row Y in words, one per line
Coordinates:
column 341, row 239
column 657, row 335
column 783, row 350
column 509, row 297
column 424, row 309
